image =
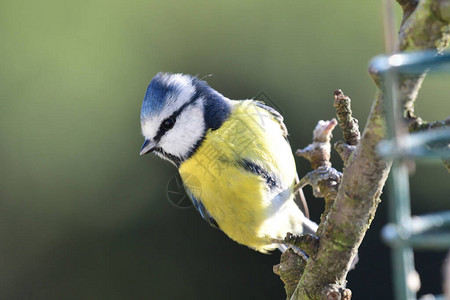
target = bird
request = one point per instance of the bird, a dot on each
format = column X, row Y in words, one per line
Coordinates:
column 233, row 157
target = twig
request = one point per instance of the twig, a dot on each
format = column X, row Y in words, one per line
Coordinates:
column 348, row 124
column 344, row 150
column 358, row 196
column 417, row 124
column 318, row 153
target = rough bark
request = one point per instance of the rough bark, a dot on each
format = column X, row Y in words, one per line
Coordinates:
column 425, row 25
column 348, row 124
column 350, row 215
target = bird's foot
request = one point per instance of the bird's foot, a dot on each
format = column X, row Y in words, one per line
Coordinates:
column 320, row 174
column 306, row 243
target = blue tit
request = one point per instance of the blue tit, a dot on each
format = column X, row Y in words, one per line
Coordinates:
column 233, row 157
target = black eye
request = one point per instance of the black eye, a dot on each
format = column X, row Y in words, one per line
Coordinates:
column 168, row 123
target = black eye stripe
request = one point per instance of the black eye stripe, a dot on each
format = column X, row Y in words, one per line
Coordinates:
column 162, row 130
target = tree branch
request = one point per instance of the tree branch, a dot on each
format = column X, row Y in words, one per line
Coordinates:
column 408, row 7
column 344, row 150
column 290, row 269
column 318, row 153
column 350, row 214
column 417, row 124
column 348, row 124
column 307, row 242
column 324, row 181
column 425, row 26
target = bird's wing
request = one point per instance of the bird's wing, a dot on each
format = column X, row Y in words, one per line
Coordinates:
column 278, row 117
column 201, row 209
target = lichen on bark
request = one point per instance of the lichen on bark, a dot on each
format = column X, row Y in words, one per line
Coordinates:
column 425, row 26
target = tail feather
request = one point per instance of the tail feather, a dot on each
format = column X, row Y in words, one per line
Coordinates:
column 309, row 226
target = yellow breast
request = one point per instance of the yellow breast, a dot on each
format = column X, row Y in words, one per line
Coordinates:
column 240, row 201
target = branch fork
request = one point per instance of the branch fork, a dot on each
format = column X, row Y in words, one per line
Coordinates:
column 325, row 181
column 351, row 201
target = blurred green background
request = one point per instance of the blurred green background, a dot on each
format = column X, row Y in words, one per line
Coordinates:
column 83, row 216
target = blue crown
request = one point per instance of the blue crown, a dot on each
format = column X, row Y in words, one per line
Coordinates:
column 161, row 88
column 157, row 92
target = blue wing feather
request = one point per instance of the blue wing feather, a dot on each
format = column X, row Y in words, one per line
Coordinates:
column 276, row 115
column 201, row 209
column 248, row 166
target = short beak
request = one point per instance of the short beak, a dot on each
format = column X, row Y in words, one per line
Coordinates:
column 148, row 147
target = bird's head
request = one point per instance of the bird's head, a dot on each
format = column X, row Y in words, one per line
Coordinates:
column 176, row 113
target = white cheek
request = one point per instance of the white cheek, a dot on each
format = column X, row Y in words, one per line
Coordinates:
column 188, row 130
column 172, row 103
